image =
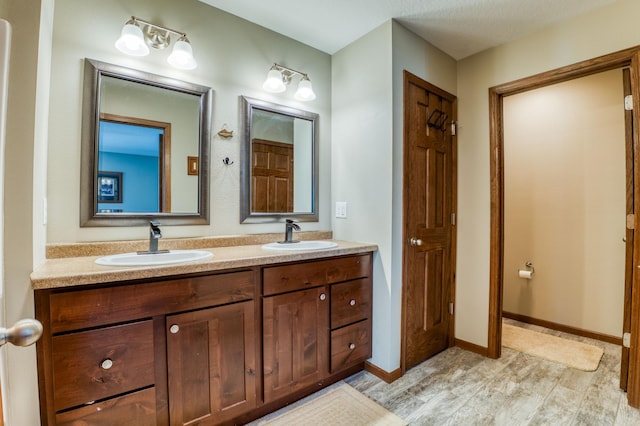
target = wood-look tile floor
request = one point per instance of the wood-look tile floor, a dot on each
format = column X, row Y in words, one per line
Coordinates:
column 457, row 387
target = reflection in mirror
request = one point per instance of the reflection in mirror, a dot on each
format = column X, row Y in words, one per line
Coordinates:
column 139, row 130
column 279, row 163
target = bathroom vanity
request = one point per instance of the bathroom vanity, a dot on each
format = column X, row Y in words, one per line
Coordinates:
column 220, row 341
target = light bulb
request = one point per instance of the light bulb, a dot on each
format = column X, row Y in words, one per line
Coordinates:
column 305, row 90
column 274, row 83
column 131, row 40
column 182, row 55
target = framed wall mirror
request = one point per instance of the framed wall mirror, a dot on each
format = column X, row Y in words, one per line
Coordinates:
column 140, row 134
column 279, row 167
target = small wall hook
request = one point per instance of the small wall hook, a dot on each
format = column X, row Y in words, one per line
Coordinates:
column 226, row 161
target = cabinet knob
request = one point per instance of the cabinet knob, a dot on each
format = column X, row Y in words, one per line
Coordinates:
column 106, row 364
column 174, row 329
column 352, row 302
column 323, row 296
column 352, row 346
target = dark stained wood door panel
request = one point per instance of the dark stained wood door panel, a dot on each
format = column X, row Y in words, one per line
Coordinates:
column 272, row 176
column 428, row 231
column 295, row 339
column 211, row 358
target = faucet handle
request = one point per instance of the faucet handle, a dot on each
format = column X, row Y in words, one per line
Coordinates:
column 154, row 231
column 292, row 224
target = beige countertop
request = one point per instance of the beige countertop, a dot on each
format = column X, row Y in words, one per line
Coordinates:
column 74, row 271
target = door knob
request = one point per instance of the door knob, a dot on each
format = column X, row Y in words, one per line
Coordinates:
column 415, row 242
column 23, row 333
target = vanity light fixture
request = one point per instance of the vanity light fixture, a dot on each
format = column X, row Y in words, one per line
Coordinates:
column 137, row 34
column 280, row 76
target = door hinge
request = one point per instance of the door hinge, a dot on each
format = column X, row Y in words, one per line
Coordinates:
column 450, row 308
column 631, row 221
column 626, row 340
column 453, row 219
column 453, row 128
column 628, row 103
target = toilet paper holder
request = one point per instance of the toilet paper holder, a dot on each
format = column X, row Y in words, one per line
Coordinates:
column 529, row 265
column 527, row 273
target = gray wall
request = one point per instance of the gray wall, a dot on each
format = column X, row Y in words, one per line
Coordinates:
column 233, row 57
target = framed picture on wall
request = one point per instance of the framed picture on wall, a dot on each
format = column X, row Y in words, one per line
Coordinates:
column 109, row 187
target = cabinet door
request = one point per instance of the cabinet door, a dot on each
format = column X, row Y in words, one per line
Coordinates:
column 211, row 364
column 296, row 341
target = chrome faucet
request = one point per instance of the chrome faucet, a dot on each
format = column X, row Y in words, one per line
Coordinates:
column 290, row 225
column 154, row 235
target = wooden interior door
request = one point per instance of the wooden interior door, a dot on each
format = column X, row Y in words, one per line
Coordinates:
column 5, row 50
column 428, row 207
column 629, row 243
column 272, row 176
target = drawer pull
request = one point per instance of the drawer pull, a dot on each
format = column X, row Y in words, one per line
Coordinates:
column 323, row 296
column 352, row 302
column 106, row 364
column 174, row 329
column 352, row 346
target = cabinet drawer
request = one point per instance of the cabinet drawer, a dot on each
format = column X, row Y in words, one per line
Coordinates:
column 134, row 409
column 87, row 308
column 350, row 302
column 97, row 364
column 350, row 345
column 282, row 279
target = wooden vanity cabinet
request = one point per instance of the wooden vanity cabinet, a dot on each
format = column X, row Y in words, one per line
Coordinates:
column 149, row 353
column 316, row 321
column 206, row 349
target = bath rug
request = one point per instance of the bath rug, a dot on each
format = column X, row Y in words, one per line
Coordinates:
column 552, row 348
column 342, row 405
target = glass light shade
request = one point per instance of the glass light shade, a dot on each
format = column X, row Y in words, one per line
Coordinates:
column 131, row 40
column 274, row 83
column 305, row 90
column 182, row 55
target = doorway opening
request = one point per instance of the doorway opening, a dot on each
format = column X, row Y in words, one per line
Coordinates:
column 565, row 205
column 618, row 60
column 134, row 156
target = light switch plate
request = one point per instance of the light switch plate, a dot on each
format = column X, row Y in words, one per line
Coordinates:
column 341, row 209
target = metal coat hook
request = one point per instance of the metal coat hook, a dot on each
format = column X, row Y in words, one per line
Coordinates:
column 226, row 161
column 438, row 119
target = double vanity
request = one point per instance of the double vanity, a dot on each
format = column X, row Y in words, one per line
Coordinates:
column 220, row 340
column 216, row 331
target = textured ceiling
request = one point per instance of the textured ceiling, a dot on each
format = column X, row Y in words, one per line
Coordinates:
column 458, row 27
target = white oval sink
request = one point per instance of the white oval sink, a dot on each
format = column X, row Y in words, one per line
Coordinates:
column 301, row 245
column 151, row 259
